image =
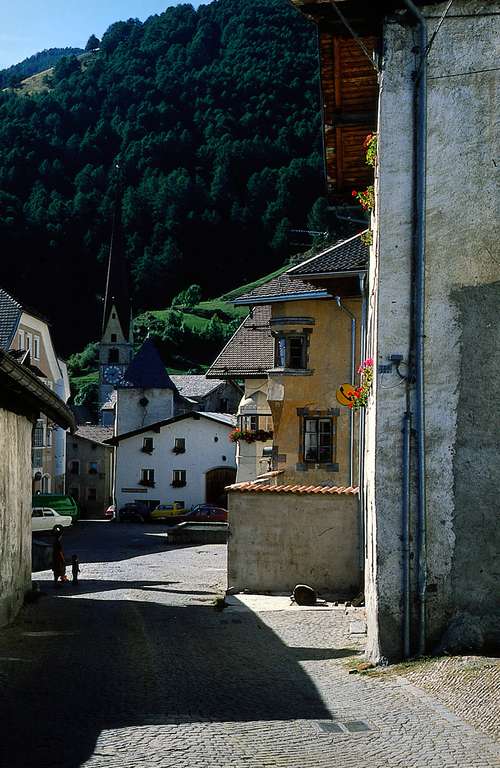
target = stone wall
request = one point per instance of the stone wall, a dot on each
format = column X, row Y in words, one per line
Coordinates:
column 15, row 512
column 462, row 336
column 279, row 540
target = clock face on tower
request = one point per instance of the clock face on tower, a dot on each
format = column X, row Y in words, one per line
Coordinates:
column 112, row 374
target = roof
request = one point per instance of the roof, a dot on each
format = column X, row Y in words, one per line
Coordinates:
column 346, row 257
column 94, row 432
column 10, row 315
column 250, row 350
column 226, row 419
column 195, row 385
column 281, row 288
column 325, row 490
column 117, row 289
column 147, row 371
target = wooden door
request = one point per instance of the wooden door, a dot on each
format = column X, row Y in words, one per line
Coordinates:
column 216, row 481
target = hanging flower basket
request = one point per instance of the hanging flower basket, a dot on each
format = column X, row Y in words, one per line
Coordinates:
column 250, row 436
column 360, row 395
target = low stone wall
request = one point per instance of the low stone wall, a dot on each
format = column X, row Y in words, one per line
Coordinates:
column 15, row 512
column 279, row 540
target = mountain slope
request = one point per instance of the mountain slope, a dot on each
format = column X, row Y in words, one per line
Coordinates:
column 39, row 62
column 212, row 116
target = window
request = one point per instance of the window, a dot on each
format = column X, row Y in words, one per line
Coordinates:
column 147, row 477
column 38, row 435
column 48, row 513
column 255, row 422
column 37, row 513
column 178, row 478
column 148, row 445
column 28, row 343
column 74, row 467
column 224, row 404
column 91, row 494
column 21, row 340
column 45, row 484
column 49, row 436
column 113, row 338
column 291, row 351
column 318, row 440
column 36, row 347
column 113, row 356
column 75, row 492
column 179, row 445
column 93, row 468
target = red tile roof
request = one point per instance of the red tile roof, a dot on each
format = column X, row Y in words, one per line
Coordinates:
column 330, row 490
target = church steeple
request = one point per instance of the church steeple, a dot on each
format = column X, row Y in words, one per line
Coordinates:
column 115, row 348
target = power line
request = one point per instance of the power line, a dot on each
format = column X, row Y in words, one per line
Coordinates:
column 354, row 34
column 460, row 74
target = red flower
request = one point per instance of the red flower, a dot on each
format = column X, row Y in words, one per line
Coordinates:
column 354, row 193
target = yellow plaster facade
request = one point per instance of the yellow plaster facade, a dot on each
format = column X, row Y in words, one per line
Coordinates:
column 328, row 331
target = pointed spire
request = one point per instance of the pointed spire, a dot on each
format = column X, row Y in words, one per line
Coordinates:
column 117, row 288
column 147, row 371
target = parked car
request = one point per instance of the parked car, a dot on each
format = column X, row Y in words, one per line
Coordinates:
column 200, row 513
column 166, row 511
column 47, row 519
column 62, row 504
column 133, row 512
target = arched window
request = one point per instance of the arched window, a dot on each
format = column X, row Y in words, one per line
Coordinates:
column 113, row 356
column 113, row 338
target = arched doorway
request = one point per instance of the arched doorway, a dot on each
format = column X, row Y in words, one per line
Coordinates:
column 215, row 482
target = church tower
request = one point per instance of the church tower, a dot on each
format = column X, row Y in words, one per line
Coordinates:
column 115, row 348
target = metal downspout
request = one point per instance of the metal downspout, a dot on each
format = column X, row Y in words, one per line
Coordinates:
column 420, row 139
column 405, row 527
column 353, row 373
column 361, row 458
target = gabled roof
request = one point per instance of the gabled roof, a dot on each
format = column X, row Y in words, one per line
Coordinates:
column 195, row 385
column 147, row 371
column 250, row 350
column 225, row 419
column 344, row 258
column 10, row 315
column 281, row 288
column 94, row 432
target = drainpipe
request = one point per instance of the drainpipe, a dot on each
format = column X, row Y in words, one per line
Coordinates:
column 405, row 526
column 353, row 357
column 361, row 457
column 420, row 144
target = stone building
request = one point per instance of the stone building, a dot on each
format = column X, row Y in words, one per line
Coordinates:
column 431, row 471
column 89, row 469
column 23, row 397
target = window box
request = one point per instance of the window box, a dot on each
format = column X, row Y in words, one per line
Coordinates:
column 147, row 483
column 178, row 483
column 144, row 449
column 178, row 449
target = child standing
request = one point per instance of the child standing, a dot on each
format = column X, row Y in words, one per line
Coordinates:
column 75, row 568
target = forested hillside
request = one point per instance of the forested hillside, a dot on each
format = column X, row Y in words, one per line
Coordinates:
column 213, row 118
column 34, row 64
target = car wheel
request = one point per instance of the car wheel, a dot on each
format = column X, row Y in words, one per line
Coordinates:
column 57, row 528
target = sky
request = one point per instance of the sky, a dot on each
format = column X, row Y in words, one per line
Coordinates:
column 29, row 26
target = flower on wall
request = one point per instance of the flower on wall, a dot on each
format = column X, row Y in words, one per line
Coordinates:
column 250, row 436
column 359, row 397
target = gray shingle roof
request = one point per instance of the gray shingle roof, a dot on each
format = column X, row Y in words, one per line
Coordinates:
column 94, row 432
column 347, row 256
column 250, row 351
column 195, row 385
column 281, row 288
column 10, row 314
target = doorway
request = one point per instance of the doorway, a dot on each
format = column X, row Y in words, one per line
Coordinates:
column 215, row 483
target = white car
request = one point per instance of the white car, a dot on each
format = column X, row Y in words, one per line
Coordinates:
column 47, row 519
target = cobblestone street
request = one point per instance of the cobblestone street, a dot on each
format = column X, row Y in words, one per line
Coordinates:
column 134, row 667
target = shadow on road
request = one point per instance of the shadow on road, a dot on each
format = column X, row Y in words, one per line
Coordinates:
column 75, row 667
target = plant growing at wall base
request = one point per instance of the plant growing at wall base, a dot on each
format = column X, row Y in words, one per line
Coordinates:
column 367, row 237
column 250, row 436
column 360, row 394
column 366, row 198
column 370, row 145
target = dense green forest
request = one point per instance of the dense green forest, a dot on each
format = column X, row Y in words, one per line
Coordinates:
column 34, row 64
column 213, row 118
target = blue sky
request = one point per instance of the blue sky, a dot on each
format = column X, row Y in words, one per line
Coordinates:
column 29, row 26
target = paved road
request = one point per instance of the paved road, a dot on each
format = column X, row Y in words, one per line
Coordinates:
column 134, row 667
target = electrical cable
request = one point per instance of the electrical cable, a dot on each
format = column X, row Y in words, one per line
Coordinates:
column 438, row 27
column 354, row 34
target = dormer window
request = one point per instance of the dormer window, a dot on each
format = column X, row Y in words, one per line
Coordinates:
column 291, row 351
column 113, row 356
column 113, row 338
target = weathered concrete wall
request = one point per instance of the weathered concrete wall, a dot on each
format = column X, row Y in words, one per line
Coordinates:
column 278, row 541
column 15, row 512
column 131, row 415
column 461, row 328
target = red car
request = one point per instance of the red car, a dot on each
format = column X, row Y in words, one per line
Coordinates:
column 206, row 513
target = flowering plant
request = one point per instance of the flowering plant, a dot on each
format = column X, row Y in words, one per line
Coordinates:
column 360, row 394
column 250, row 436
column 366, row 198
column 370, row 144
column 367, row 237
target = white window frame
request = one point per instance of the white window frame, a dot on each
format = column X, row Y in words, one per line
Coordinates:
column 28, row 341
column 21, row 340
column 36, row 347
column 179, row 476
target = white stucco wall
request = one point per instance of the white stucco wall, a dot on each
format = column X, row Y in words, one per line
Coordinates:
column 461, row 326
column 207, row 447
column 131, row 415
column 249, row 455
column 15, row 512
